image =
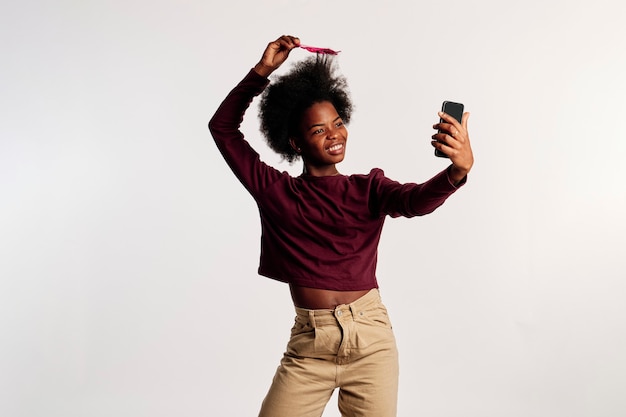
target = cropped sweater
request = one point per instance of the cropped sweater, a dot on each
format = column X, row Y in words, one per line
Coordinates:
column 318, row 232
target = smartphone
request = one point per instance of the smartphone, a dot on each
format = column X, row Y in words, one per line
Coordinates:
column 455, row 110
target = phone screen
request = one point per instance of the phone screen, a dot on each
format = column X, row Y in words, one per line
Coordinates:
column 455, row 110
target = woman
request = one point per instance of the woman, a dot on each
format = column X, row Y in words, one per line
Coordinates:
column 320, row 232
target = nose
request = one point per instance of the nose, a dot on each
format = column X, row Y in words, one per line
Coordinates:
column 332, row 133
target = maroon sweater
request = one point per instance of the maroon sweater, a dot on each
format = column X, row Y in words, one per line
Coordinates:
column 319, row 232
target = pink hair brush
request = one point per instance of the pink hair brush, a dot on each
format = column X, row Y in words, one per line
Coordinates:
column 317, row 50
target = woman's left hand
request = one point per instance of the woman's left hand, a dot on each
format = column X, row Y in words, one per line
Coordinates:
column 453, row 140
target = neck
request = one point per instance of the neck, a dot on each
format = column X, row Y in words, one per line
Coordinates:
column 325, row 171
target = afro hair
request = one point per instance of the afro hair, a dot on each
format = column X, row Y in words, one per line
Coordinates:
column 282, row 104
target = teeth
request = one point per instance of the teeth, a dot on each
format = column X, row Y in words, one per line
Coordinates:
column 335, row 147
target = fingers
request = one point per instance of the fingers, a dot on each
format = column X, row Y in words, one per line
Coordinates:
column 283, row 45
column 449, row 122
column 451, row 128
column 276, row 53
column 288, row 42
column 452, row 137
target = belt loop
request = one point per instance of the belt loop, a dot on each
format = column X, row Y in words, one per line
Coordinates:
column 312, row 318
column 353, row 310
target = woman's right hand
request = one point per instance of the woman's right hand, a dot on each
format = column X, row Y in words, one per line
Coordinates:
column 275, row 54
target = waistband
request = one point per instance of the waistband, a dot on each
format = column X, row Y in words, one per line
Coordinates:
column 319, row 317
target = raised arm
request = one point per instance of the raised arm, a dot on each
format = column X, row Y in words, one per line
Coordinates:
column 225, row 123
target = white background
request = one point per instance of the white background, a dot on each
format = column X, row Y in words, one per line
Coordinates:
column 128, row 250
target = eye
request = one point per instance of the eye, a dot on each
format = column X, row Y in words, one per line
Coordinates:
column 339, row 123
column 318, row 131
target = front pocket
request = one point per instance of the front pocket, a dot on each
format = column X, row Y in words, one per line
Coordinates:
column 300, row 326
column 376, row 317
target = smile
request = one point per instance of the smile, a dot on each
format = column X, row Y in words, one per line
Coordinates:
column 336, row 147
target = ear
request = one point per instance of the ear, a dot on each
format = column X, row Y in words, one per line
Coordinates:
column 294, row 144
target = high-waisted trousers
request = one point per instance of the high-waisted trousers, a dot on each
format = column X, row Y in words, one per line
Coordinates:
column 351, row 348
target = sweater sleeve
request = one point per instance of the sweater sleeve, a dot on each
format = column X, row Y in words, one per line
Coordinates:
column 408, row 200
column 244, row 161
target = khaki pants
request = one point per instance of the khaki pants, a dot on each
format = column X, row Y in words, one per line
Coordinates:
column 351, row 348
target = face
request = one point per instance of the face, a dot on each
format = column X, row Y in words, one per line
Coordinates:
column 322, row 137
